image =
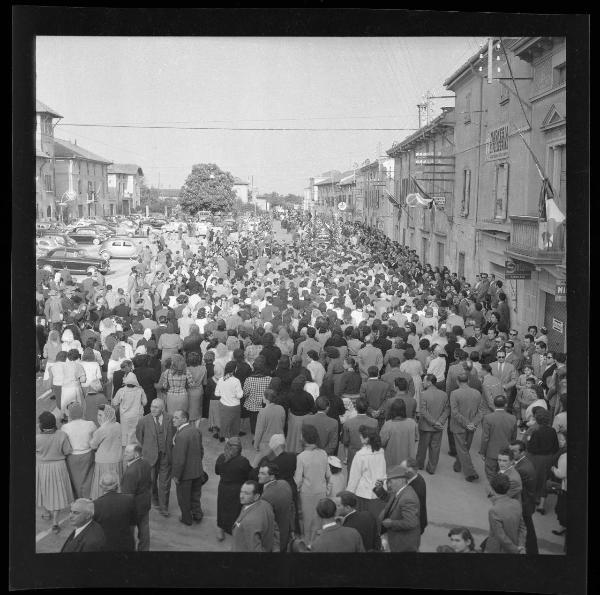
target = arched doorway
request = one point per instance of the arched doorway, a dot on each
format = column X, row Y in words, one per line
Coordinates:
column 49, row 212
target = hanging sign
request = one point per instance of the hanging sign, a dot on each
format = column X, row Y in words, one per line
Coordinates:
column 558, row 326
column 440, row 202
column 496, row 146
column 560, row 295
column 516, row 270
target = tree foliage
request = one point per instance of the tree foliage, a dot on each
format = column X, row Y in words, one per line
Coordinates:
column 207, row 188
column 279, row 200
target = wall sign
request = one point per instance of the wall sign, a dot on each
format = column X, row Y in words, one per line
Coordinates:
column 516, row 270
column 496, row 146
column 560, row 295
column 558, row 326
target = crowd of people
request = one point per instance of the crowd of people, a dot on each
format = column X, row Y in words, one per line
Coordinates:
column 338, row 353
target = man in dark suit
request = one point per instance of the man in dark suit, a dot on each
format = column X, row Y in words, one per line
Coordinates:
column 187, row 467
column 465, row 415
column 278, row 493
column 417, row 483
column 499, row 429
column 399, row 519
column 433, row 413
column 526, row 470
column 333, row 537
column 364, row 522
column 327, row 428
column 350, row 433
column 88, row 535
column 376, row 392
column 137, row 481
column 155, row 434
column 115, row 513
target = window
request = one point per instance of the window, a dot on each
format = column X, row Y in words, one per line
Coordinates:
column 116, row 243
column 466, row 195
column 461, row 265
column 440, row 254
column 58, row 253
column 501, row 194
column 48, row 183
column 425, row 254
column 78, row 186
column 557, row 173
column 560, row 75
column 468, row 107
column 504, row 94
column 80, row 210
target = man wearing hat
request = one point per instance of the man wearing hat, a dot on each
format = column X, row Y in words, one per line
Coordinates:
column 399, row 519
column 115, row 513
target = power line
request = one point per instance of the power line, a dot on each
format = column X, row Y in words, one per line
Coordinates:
column 157, row 127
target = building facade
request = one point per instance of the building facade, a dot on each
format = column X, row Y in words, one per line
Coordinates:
column 241, row 189
column 45, row 179
column 81, row 182
column 124, row 184
column 497, row 212
column 427, row 158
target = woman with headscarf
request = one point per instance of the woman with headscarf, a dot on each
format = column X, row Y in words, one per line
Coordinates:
column 176, row 381
column 52, row 347
column 114, row 363
column 233, row 469
column 229, row 390
column 170, row 342
column 91, row 368
column 301, row 403
column 196, row 392
column 130, row 399
column 80, row 463
column 73, row 380
column 55, row 375
column 107, row 443
column 69, row 342
column 53, row 486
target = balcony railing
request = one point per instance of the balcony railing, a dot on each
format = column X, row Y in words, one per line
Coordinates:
column 536, row 241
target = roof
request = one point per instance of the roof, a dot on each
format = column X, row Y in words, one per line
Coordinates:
column 63, row 149
column 42, row 154
column 42, row 108
column 328, row 177
column 445, row 118
column 240, row 182
column 125, row 168
column 348, row 178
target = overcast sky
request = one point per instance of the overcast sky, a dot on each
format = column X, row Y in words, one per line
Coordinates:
column 243, row 82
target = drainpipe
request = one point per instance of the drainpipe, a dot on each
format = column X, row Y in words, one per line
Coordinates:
column 478, row 166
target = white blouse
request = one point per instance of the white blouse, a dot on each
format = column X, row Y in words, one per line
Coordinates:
column 230, row 391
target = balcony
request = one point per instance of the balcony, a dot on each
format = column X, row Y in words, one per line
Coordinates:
column 536, row 242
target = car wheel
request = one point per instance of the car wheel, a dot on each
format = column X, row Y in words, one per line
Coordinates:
column 104, row 254
column 95, row 241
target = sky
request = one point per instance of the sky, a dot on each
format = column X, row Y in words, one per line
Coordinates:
column 334, row 84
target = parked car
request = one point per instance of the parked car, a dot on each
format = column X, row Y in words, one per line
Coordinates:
column 43, row 225
column 117, row 247
column 105, row 229
column 74, row 259
column 62, row 239
column 44, row 244
column 87, row 235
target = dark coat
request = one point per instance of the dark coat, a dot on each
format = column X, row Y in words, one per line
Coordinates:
column 435, row 407
column 279, row 495
column 147, row 435
column 233, row 474
column 187, row 454
column 366, row 524
column 465, row 406
column 420, row 487
column 338, row 539
column 147, row 377
column 91, row 539
column 499, row 429
column 327, row 429
column 137, row 481
column 405, row 533
column 526, row 470
column 115, row 513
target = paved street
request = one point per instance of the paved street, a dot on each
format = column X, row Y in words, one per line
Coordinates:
column 451, row 501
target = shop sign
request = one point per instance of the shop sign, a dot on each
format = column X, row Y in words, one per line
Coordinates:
column 558, row 326
column 440, row 202
column 517, row 270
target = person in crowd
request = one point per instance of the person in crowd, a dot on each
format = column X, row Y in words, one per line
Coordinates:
column 115, row 513
column 350, row 432
column 88, row 535
column 278, row 493
column 301, row 404
column 130, row 400
column 55, row 377
column 376, row 392
column 229, row 390
column 107, row 444
column 327, row 428
column 137, row 481
column 154, row 432
column 80, row 462
column 461, row 542
column 312, row 478
column 254, row 528
column 507, row 528
column 363, row 521
column 196, row 390
column 176, row 381
column 73, row 379
column 433, row 413
column 53, row 485
column 270, row 421
column 254, row 389
column 559, row 471
column 187, row 470
column 399, row 435
column 335, row 537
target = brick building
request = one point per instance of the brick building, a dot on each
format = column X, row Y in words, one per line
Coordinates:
column 45, row 182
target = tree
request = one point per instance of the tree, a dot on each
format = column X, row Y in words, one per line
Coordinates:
column 277, row 200
column 207, row 188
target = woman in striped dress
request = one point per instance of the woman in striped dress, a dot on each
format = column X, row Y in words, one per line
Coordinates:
column 53, row 485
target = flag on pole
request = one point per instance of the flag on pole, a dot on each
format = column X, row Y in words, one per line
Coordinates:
column 422, row 198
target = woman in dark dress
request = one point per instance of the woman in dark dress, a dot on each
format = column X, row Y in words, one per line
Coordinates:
column 542, row 448
column 209, row 389
column 233, row 469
